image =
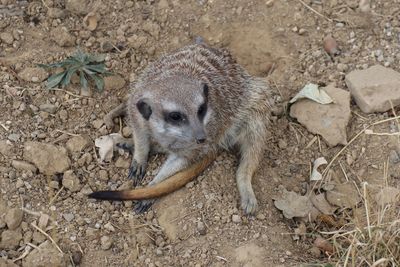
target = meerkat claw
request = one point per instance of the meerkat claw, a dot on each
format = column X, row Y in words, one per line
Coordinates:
column 136, row 172
column 143, row 205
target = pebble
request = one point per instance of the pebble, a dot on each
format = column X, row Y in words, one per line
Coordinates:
column 106, row 242
column 62, row 37
column 108, row 226
column 46, row 255
column 13, row 218
column 236, row 218
column 10, row 239
column 103, row 175
column 201, row 228
column 14, row 137
column 33, row 74
column 23, row 165
column 49, row 108
column 56, row 13
column 7, row 38
column 68, row 217
column 71, row 181
column 342, row 67
column 114, row 82
column 77, row 143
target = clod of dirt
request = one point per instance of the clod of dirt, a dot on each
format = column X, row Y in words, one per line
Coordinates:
column 106, row 242
column 77, row 143
column 319, row 201
column 236, row 218
column 323, row 245
column 36, row 75
column 90, row 21
column 49, row 108
column 250, row 255
column 375, row 88
column 5, row 147
column 78, row 7
column 10, row 239
column 293, row 204
column 71, row 181
column 7, row 38
column 387, row 195
column 46, row 255
column 23, row 165
column 49, row 159
column 114, row 82
column 343, row 195
column 56, row 13
column 13, row 218
column 62, row 37
column 364, row 6
column 329, row 121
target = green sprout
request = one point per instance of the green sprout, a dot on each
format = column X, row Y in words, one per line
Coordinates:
column 85, row 65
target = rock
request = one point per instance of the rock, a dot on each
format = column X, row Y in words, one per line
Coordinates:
column 23, row 165
column 49, row 159
column 343, row 195
column 106, row 242
column 5, row 147
column 71, row 181
column 62, row 37
column 46, row 255
column 387, row 195
column 14, row 137
column 77, row 143
column 68, row 217
column 10, row 239
column 236, row 218
column 56, row 13
column 330, row 120
column 36, row 75
column 201, row 228
column 103, row 175
column 7, row 263
column 374, row 88
column 13, row 218
column 113, row 82
column 78, row 7
column 49, row 108
column 7, row 38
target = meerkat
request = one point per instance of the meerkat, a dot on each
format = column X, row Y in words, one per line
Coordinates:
column 192, row 103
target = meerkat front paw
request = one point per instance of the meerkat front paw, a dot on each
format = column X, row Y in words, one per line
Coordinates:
column 249, row 203
column 137, row 172
column 143, row 205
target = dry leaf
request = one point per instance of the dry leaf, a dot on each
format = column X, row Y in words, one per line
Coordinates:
column 343, row 195
column 315, row 174
column 314, row 93
column 293, row 205
column 319, row 201
column 323, row 245
column 107, row 145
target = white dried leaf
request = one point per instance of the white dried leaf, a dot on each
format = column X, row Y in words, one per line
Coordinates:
column 107, row 145
column 315, row 174
column 313, row 92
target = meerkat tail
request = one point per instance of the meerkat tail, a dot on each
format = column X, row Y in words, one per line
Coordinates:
column 165, row 187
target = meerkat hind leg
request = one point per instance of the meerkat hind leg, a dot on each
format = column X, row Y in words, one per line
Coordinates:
column 119, row 111
column 172, row 165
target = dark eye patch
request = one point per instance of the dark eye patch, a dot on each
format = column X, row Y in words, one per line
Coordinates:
column 201, row 113
column 175, row 117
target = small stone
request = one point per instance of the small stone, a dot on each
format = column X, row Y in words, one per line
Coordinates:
column 62, row 37
column 315, row 252
column 33, row 74
column 103, row 175
column 49, row 159
column 106, row 242
column 54, row 184
column 201, row 228
column 159, row 252
column 260, row 216
column 23, row 165
column 78, row 7
column 126, row 131
column 106, row 46
column 97, row 123
column 56, row 13
column 10, row 239
column 302, row 31
column 330, row 121
column 77, row 257
column 5, row 147
column 282, row 144
column 295, row 29
column 49, row 108
column 77, row 143
column 13, row 218
column 71, row 181
column 394, row 156
column 68, row 217
column 113, row 82
column 108, row 226
column 236, row 218
column 342, row 67
column 14, row 137
column 375, row 88
column 122, row 163
column 7, row 38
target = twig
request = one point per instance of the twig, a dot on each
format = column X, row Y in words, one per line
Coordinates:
column 55, row 197
column 315, row 11
column 367, row 209
column 69, row 93
column 49, row 237
column 221, row 258
column 26, row 252
column 64, row 132
column 32, row 245
column 5, row 127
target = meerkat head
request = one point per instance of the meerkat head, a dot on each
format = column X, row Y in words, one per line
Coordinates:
column 177, row 110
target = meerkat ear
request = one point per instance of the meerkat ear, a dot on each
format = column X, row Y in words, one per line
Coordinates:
column 205, row 89
column 144, row 109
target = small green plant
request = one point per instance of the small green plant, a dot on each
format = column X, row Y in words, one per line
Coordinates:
column 85, row 65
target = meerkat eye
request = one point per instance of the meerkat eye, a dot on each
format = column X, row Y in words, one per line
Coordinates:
column 202, row 111
column 175, row 117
